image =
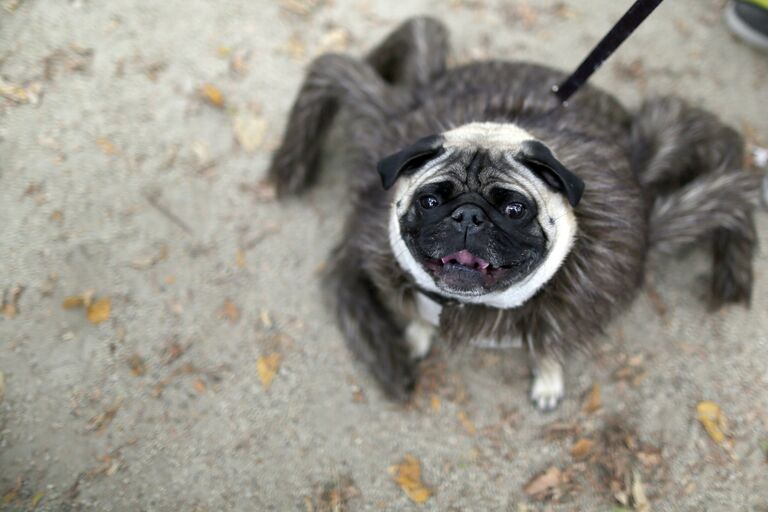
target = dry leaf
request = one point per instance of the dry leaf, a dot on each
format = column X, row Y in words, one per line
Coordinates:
column 173, row 352
column 335, row 40
column 332, row 496
column 2, row 386
column 265, row 318
column 300, row 7
column 11, row 5
column 523, row 13
column 559, row 430
column 36, row 499
column 13, row 492
column 10, row 302
column 593, row 401
column 467, row 423
column 213, row 95
column 713, row 420
column 407, row 474
column 435, row 403
column 240, row 258
column 138, row 367
column 267, row 367
column 102, row 421
column 73, row 301
column 99, row 310
column 107, row 147
column 639, row 499
column 19, row 94
column 229, row 311
column 263, row 191
column 148, row 261
column 199, row 386
column 358, row 396
column 249, row 131
column 541, row 484
column 238, row 64
column 294, row 48
column 581, row 448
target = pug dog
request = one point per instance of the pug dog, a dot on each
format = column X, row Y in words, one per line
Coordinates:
column 484, row 211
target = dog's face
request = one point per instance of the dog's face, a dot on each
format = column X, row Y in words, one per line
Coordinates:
column 482, row 213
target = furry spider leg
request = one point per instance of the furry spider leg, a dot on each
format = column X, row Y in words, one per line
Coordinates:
column 691, row 165
column 374, row 90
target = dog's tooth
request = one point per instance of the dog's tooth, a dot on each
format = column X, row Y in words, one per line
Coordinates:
column 465, row 257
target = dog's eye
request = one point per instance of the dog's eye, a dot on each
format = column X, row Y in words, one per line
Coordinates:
column 428, row 201
column 514, row 210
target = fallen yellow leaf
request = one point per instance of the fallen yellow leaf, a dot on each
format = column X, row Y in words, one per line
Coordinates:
column 467, row 423
column 593, row 401
column 37, row 498
column 435, row 402
column 107, row 147
column 249, row 131
column 99, row 311
column 713, row 420
column 334, row 40
column 407, row 475
column 73, row 301
column 213, row 95
column 267, row 367
column 265, row 318
column 240, row 258
column 581, row 448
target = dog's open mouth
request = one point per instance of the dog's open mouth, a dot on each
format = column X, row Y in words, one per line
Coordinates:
column 467, row 259
column 463, row 269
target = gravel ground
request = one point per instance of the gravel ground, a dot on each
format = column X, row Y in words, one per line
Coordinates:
column 121, row 181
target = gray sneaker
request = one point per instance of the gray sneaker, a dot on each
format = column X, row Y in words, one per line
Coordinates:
column 748, row 19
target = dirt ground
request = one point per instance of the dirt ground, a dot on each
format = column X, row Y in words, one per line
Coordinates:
column 129, row 192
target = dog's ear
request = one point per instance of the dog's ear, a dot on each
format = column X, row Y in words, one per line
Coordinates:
column 538, row 158
column 408, row 159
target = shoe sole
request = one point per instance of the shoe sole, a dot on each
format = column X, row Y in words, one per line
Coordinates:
column 744, row 31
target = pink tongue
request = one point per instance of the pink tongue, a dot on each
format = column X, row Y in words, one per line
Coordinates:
column 466, row 258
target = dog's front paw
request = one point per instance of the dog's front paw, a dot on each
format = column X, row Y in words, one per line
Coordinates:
column 548, row 386
column 419, row 336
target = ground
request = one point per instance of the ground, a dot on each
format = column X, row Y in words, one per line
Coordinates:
column 133, row 140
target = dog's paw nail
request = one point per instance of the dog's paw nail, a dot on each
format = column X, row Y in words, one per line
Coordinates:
column 547, row 390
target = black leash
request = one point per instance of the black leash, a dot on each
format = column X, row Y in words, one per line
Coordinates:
column 612, row 40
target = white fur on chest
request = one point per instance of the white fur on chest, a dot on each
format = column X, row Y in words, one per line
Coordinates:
column 430, row 311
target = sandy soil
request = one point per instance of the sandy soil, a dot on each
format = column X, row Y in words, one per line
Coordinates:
column 120, row 180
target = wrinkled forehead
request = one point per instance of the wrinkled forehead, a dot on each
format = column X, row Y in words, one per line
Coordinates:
column 477, row 157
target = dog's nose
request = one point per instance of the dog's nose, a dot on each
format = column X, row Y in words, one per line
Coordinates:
column 469, row 218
